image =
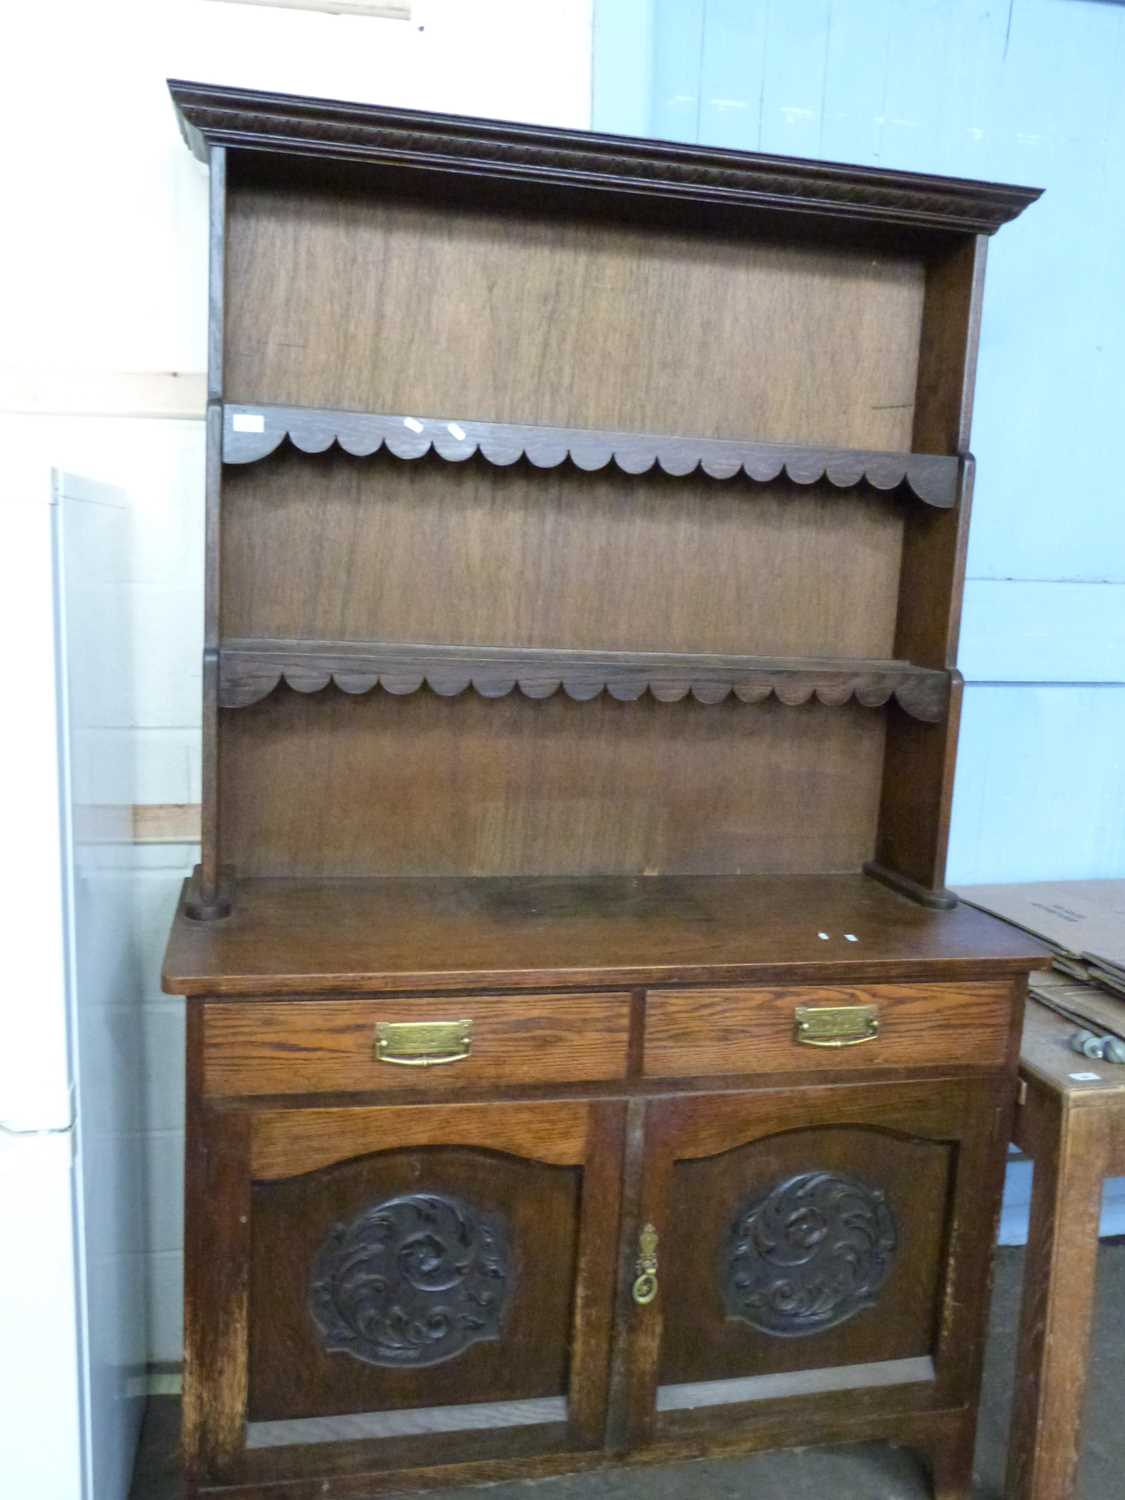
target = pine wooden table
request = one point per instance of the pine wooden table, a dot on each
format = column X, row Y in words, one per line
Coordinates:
column 1071, row 1122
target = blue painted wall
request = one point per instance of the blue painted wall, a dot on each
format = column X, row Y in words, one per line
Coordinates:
column 1027, row 91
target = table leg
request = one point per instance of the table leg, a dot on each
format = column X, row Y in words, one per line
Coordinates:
column 1069, row 1150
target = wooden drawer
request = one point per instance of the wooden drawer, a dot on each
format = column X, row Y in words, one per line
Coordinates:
column 754, row 1030
column 323, row 1046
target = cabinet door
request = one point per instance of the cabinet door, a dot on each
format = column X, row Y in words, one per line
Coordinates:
column 831, row 1244
column 400, row 1286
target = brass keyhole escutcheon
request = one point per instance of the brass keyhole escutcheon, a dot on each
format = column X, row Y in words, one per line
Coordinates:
column 646, row 1286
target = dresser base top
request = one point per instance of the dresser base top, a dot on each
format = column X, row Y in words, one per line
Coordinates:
column 442, row 934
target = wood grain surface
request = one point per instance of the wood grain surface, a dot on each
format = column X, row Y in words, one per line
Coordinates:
column 635, row 329
column 469, row 554
column 416, row 147
column 1074, row 1130
column 254, row 432
column 286, row 1143
column 216, row 1291
column 358, row 1470
column 703, row 1342
column 432, row 786
column 349, row 937
column 569, row 873
column 918, row 773
column 694, row 1130
column 728, row 1031
column 251, row 669
column 293, row 1374
column 709, row 1124
column 292, row 1048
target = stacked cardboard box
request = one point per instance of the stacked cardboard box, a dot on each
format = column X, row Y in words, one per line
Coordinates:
column 1084, row 922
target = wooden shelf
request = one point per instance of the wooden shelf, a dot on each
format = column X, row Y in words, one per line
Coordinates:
column 433, row 934
column 253, row 432
column 250, row 669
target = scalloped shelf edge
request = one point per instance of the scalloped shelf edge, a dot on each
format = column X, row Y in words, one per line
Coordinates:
column 250, row 673
column 251, row 433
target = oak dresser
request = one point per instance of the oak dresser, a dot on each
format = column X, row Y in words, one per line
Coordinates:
column 586, row 1061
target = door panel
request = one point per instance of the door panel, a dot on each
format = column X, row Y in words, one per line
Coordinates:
column 816, row 1247
column 373, row 1284
column 411, row 1279
column 812, row 1243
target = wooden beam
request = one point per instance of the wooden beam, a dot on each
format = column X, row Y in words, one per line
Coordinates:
column 104, row 393
column 142, row 823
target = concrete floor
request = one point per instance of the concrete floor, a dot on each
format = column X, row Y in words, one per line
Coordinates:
column 859, row 1473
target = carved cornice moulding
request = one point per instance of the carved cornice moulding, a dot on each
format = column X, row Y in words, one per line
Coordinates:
column 418, row 142
column 251, row 433
column 251, row 669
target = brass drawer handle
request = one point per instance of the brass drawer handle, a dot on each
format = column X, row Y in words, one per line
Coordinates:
column 646, row 1286
column 423, row 1044
column 835, row 1025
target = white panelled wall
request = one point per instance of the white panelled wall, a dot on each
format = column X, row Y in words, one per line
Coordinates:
column 101, row 370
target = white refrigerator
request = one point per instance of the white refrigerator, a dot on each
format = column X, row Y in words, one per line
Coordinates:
column 72, row 1299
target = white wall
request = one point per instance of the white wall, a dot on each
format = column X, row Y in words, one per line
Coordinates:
column 112, row 275
column 111, row 318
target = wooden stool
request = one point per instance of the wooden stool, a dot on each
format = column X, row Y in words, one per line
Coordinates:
column 1074, row 1130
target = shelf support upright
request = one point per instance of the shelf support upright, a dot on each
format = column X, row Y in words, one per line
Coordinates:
column 920, row 760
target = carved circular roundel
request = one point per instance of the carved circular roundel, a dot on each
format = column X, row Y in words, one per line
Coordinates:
column 411, row 1281
column 808, row 1254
